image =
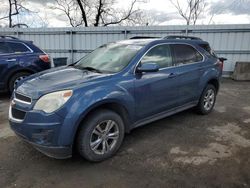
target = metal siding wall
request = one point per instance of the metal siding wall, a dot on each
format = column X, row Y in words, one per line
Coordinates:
column 230, row 41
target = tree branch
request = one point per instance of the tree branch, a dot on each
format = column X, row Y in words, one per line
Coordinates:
column 129, row 13
column 83, row 13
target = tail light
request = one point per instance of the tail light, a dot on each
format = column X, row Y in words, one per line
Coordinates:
column 220, row 64
column 45, row 58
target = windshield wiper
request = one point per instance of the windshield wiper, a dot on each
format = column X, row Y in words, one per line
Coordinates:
column 89, row 69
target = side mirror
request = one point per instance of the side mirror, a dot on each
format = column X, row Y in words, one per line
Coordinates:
column 222, row 59
column 148, row 67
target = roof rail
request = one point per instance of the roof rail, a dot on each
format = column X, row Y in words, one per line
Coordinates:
column 143, row 37
column 6, row 36
column 182, row 37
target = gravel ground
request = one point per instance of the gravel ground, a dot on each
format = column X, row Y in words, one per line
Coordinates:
column 184, row 150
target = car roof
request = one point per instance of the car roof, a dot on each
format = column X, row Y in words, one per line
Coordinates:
column 139, row 42
column 142, row 41
column 4, row 38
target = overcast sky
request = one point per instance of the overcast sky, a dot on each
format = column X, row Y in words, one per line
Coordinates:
column 162, row 11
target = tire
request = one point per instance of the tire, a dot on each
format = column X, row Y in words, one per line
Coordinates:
column 15, row 78
column 91, row 137
column 207, row 100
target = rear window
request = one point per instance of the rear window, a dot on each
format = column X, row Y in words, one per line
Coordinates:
column 17, row 47
column 186, row 54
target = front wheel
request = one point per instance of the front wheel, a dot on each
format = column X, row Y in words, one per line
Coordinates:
column 100, row 136
column 207, row 100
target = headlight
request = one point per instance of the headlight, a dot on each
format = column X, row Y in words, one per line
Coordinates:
column 53, row 101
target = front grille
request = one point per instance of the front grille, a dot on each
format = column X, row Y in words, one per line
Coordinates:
column 22, row 97
column 18, row 114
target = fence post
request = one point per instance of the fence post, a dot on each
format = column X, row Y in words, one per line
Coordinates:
column 186, row 30
column 17, row 34
column 71, row 46
column 125, row 33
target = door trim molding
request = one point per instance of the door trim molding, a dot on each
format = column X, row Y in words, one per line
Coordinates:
column 164, row 114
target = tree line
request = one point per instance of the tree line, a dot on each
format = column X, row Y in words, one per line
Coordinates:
column 96, row 13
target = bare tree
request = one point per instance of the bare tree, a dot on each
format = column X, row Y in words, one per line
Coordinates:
column 112, row 16
column 15, row 7
column 97, row 12
column 71, row 10
column 192, row 10
column 83, row 6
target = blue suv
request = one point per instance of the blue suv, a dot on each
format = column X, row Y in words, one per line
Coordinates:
column 91, row 104
column 19, row 59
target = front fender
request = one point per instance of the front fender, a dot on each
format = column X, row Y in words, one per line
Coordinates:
column 83, row 103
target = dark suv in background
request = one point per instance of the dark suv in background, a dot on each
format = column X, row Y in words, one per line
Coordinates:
column 19, row 59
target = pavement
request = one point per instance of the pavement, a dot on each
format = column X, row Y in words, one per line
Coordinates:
column 184, row 150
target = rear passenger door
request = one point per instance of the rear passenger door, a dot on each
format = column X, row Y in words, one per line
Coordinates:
column 18, row 56
column 188, row 62
column 19, row 52
column 4, row 57
column 13, row 56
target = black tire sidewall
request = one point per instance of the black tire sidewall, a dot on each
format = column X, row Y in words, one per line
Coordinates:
column 86, row 129
column 200, row 106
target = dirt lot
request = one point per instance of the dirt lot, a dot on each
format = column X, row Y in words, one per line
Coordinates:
column 184, row 150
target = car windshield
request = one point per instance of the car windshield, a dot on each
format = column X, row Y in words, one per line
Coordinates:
column 109, row 58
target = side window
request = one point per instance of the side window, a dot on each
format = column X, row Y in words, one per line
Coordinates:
column 160, row 55
column 208, row 49
column 185, row 54
column 3, row 48
column 17, row 47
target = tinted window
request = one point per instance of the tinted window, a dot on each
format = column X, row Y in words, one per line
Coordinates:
column 160, row 55
column 185, row 54
column 208, row 49
column 17, row 47
column 3, row 48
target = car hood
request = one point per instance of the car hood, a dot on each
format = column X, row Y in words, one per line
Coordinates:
column 57, row 79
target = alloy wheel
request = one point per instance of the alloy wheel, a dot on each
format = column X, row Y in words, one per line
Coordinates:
column 209, row 99
column 18, row 80
column 104, row 137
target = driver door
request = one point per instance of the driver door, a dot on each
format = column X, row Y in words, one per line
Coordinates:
column 156, row 92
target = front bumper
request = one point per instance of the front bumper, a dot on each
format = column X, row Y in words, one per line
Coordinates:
column 55, row 152
column 58, row 152
column 41, row 131
column 50, row 133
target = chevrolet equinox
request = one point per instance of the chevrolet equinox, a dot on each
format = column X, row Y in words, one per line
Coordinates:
column 89, row 105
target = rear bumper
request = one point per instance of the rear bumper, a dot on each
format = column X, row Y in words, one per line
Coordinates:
column 57, row 152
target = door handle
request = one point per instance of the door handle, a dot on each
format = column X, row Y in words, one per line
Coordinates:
column 172, row 75
column 10, row 60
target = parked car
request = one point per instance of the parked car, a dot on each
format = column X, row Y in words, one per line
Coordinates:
column 91, row 104
column 19, row 59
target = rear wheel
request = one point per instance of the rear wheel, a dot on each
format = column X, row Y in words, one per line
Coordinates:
column 100, row 136
column 207, row 100
column 17, row 78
